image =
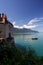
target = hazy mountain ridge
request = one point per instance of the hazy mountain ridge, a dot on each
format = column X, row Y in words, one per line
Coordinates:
column 24, row 30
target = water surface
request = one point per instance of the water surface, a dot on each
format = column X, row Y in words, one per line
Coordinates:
column 26, row 40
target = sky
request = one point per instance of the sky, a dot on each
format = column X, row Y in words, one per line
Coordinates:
column 24, row 13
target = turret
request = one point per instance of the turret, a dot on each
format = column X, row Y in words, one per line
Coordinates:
column 0, row 15
column 4, row 17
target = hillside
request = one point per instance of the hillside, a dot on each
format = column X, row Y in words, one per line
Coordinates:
column 24, row 30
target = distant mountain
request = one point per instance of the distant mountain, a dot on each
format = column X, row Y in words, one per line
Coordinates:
column 24, row 30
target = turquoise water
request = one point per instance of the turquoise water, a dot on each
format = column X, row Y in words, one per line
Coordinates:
column 26, row 40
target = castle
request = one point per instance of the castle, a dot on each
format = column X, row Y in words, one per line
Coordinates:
column 6, row 27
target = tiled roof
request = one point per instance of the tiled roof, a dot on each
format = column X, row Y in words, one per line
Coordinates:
column 6, row 22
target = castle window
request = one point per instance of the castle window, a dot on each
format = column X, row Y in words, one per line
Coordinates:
column 0, row 31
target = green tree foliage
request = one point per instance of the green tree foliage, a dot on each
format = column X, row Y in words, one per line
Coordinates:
column 11, row 55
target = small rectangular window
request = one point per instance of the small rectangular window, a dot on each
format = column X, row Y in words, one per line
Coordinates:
column 0, row 31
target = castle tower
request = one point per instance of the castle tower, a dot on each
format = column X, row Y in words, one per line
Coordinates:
column 0, row 16
column 4, row 17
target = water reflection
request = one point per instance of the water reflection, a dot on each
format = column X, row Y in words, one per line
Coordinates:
column 26, row 40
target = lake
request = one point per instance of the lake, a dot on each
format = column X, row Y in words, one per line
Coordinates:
column 26, row 40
